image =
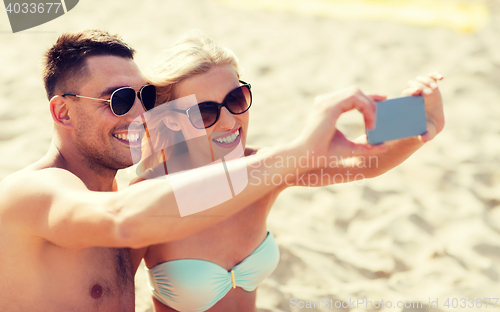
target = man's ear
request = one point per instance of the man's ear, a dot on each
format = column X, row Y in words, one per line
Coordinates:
column 60, row 111
column 172, row 122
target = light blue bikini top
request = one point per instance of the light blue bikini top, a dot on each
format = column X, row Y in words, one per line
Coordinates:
column 192, row 285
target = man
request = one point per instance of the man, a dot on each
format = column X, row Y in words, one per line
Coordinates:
column 64, row 226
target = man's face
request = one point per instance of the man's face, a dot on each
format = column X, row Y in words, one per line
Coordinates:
column 97, row 130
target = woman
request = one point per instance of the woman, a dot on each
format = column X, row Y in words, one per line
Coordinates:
column 219, row 268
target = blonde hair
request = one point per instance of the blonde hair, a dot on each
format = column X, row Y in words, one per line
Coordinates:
column 194, row 54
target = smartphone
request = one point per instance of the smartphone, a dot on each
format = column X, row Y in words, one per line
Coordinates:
column 398, row 118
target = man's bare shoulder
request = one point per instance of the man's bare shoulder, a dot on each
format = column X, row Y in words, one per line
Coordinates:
column 43, row 177
column 27, row 187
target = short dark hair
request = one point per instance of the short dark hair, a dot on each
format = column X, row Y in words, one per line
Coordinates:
column 64, row 64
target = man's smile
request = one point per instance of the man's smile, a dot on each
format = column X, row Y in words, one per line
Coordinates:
column 128, row 137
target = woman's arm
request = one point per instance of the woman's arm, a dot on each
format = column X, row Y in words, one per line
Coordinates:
column 374, row 163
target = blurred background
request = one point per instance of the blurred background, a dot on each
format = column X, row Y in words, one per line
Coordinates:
column 427, row 230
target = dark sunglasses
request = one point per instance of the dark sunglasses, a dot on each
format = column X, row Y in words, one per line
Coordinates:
column 236, row 102
column 123, row 99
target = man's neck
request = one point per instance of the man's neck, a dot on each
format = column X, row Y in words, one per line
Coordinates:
column 94, row 176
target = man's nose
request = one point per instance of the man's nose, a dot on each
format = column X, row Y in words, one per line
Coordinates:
column 136, row 110
column 226, row 119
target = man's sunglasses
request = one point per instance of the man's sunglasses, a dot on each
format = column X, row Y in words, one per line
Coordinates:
column 236, row 102
column 123, row 99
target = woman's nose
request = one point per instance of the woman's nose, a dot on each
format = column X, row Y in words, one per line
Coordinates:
column 226, row 119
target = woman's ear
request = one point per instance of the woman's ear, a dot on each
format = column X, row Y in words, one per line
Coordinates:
column 60, row 111
column 172, row 122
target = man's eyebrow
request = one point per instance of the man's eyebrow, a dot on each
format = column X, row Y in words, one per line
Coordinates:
column 110, row 91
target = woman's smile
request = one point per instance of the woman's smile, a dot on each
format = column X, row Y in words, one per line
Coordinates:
column 227, row 140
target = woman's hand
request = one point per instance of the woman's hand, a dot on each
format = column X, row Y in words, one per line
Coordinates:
column 427, row 87
column 321, row 137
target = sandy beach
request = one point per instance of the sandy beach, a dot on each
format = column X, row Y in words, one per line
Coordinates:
column 428, row 231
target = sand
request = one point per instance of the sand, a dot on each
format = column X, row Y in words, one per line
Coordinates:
column 428, row 230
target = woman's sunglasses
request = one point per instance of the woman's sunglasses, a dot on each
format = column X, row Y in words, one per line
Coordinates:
column 205, row 114
column 123, row 99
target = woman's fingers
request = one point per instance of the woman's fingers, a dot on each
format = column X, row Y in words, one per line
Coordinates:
column 368, row 109
column 423, row 84
column 377, row 97
column 347, row 148
column 421, row 87
column 430, row 134
column 354, row 99
column 427, row 81
column 372, row 109
column 436, row 76
column 412, row 91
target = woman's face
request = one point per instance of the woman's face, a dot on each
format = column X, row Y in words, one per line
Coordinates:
column 228, row 132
